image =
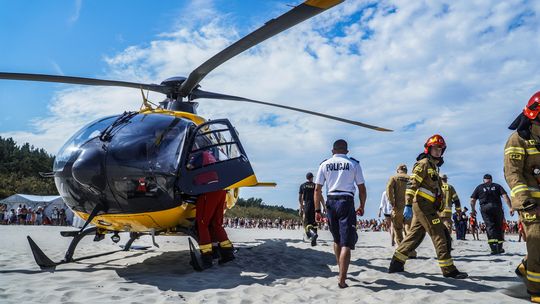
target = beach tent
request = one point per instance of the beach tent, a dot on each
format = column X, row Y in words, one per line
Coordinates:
column 34, row 201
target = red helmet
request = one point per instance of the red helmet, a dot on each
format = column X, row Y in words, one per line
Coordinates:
column 533, row 106
column 435, row 140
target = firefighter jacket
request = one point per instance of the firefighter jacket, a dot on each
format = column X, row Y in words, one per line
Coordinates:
column 521, row 158
column 424, row 182
column 449, row 198
column 395, row 190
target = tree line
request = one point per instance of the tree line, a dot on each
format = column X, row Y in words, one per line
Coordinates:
column 20, row 167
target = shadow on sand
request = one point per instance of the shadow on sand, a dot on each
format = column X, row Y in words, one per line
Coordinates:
column 266, row 264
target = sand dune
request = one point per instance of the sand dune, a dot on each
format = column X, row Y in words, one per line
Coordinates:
column 273, row 266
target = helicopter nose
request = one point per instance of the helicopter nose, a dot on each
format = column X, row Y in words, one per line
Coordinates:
column 88, row 168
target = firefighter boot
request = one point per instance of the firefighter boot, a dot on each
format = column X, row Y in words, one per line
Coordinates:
column 396, row 266
column 494, row 248
column 521, row 270
column 215, row 251
column 500, row 248
column 227, row 254
column 206, row 259
column 456, row 274
column 314, row 236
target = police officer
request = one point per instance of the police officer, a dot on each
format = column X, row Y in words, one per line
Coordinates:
column 307, row 207
column 342, row 174
column 395, row 189
column 521, row 164
column 450, row 198
column 424, row 196
column 489, row 194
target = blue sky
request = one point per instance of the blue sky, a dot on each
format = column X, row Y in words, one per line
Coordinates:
column 463, row 69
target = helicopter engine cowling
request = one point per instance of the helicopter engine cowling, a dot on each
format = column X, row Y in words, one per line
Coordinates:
column 88, row 169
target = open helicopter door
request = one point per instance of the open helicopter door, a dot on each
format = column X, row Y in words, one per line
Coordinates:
column 214, row 159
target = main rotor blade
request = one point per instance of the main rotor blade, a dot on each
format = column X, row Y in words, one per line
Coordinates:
column 273, row 27
column 197, row 93
column 84, row 81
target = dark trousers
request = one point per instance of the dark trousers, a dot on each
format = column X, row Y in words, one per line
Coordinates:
column 493, row 217
column 462, row 230
column 310, row 225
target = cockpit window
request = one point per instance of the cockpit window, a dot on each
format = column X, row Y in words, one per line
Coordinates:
column 86, row 133
column 213, row 144
column 151, row 142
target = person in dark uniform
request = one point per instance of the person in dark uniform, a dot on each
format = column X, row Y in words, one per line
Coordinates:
column 489, row 194
column 462, row 224
column 342, row 175
column 307, row 208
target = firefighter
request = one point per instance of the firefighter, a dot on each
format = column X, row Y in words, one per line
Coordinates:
column 450, row 198
column 521, row 168
column 424, row 197
column 395, row 189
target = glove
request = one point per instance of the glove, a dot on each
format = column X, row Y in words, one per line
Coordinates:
column 318, row 217
column 407, row 213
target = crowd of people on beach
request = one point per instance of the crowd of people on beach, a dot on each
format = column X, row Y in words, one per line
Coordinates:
column 23, row 215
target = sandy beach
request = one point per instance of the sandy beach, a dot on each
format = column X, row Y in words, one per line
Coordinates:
column 272, row 266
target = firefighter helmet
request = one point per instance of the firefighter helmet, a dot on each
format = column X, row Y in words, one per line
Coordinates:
column 532, row 108
column 435, row 140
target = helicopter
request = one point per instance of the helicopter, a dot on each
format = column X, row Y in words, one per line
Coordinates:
column 133, row 172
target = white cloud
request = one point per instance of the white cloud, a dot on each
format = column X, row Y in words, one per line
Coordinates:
column 463, row 69
column 77, row 12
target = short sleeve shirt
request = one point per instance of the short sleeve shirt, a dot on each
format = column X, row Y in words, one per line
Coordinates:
column 307, row 189
column 341, row 175
column 488, row 194
column 385, row 206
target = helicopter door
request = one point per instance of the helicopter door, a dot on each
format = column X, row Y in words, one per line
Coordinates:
column 213, row 159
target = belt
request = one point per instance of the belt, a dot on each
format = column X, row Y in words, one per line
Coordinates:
column 339, row 197
column 342, row 191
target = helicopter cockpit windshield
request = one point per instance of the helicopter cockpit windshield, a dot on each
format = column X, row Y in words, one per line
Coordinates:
column 91, row 130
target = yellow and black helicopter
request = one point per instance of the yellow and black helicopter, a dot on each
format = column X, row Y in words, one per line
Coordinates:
column 130, row 172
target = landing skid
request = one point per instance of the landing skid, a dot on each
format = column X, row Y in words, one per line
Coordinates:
column 196, row 261
column 47, row 264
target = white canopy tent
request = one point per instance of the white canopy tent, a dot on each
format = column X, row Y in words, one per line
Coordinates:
column 35, row 201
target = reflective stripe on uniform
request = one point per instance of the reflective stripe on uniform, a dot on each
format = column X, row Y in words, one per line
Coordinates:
column 534, row 192
column 532, row 151
column 500, row 242
column 225, row 244
column 533, row 276
column 205, row 248
column 400, row 256
column 425, row 193
column 514, row 150
column 410, row 192
column 518, row 188
column 417, row 177
column 493, row 241
column 446, row 263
